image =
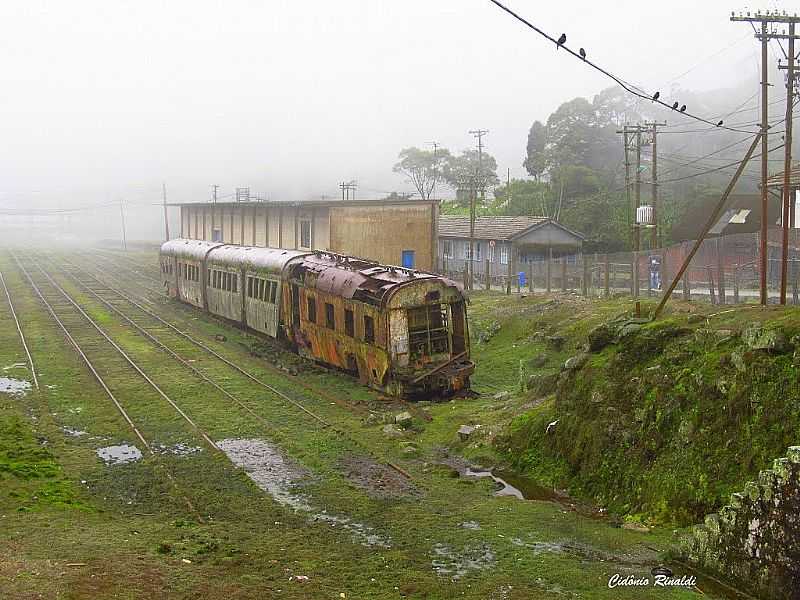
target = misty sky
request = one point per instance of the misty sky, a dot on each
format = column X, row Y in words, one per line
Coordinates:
column 107, row 99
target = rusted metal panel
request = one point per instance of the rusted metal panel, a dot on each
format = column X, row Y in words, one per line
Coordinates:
column 223, row 302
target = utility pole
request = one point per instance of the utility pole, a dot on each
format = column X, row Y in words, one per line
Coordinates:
column 435, row 170
column 787, row 164
column 765, row 19
column 626, row 132
column 638, row 186
column 122, row 217
column 166, row 219
column 654, row 181
column 347, row 187
column 214, row 189
column 478, row 181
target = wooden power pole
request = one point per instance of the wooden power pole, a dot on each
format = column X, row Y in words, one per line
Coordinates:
column 166, row 219
column 764, row 36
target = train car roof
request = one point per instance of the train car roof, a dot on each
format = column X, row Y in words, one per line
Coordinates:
column 191, row 249
column 351, row 277
column 266, row 259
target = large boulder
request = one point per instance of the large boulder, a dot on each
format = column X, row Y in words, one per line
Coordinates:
column 601, row 336
column 757, row 337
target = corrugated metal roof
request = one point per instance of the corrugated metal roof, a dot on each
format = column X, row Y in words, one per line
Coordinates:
column 191, row 249
column 487, row 228
column 794, row 178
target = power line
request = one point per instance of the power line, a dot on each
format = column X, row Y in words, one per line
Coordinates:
column 626, row 86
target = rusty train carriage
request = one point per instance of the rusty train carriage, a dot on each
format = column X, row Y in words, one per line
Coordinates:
column 398, row 330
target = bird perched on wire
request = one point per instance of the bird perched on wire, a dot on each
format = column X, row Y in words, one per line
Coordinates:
column 656, row 95
column 561, row 40
column 719, row 124
column 683, row 108
column 582, row 52
column 674, row 106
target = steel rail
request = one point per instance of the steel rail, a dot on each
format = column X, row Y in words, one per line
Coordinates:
column 129, row 360
column 142, row 331
column 344, row 434
column 19, row 330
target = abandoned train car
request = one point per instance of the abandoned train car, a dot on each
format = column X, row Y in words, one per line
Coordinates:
column 401, row 331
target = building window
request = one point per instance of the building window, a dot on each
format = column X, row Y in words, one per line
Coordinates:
column 305, row 234
column 312, row 309
column 273, row 291
column 447, row 248
column 216, row 235
column 503, row 254
column 234, row 282
column 490, row 252
column 467, row 251
column 330, row 316
column 369, row 330
column 478, row 253
column 349, row 324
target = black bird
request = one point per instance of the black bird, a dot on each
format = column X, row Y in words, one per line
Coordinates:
column 719, row 124
column 562, row 39
column 656, row 95
column 582, row 52
column 674, row 106
column 683, row 108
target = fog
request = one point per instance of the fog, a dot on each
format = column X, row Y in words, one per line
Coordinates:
column 104, row 101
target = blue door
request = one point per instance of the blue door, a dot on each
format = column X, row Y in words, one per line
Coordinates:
column 408, row 259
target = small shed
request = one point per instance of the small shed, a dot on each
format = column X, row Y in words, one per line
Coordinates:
column 504, row 241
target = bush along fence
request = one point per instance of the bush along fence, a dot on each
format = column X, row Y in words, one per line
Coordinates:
column 725, row 270
column 755, row 540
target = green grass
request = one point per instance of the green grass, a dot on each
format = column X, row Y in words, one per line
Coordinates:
column 128, row 531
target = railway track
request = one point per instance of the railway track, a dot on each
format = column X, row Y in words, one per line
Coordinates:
column 315, row 391
column 204, row 362
column 91, row 345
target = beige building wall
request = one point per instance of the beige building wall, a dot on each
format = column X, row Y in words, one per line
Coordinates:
column 382, row 233
column 379, row 231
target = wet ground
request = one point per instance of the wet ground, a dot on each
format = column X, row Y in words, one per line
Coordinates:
column 282, row 478
column 15, row 387
column 119, row 455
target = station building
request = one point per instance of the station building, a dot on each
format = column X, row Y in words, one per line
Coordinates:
column 398, row 231
column 504, row 243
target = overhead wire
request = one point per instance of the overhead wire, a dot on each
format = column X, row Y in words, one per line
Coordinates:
column 630, row 88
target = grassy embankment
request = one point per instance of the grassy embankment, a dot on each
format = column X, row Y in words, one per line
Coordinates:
column 73, row 527
column 661, row 423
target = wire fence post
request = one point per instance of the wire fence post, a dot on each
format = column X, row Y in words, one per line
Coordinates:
column 721, row 268
column 549, row 269
column 585, row 286
column 563, row 260
column 711, row 284
column 736, row 284
column 530, row 277
column 605, row 277
column 488, row 275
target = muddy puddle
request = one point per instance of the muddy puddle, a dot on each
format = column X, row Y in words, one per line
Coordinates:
column 517, row 487
column 448, row 562
column 281, row 478
column 71, row 432
column 14, row 387
column 119, row 455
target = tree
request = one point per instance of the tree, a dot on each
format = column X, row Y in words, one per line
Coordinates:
column 535, row 163
column 525, row 198
column 423, row 168
column 469, row 172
